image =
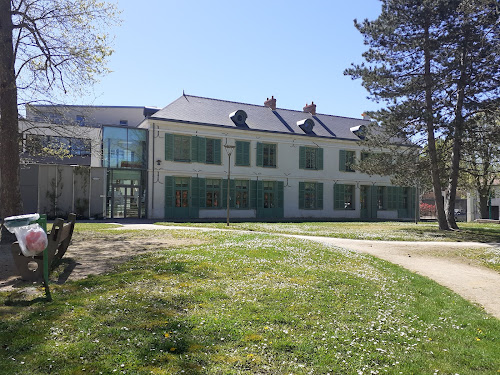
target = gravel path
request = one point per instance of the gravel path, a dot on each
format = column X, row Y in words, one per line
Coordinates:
column 477, row 284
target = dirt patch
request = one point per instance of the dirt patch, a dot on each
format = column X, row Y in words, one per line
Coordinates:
column 91, row 257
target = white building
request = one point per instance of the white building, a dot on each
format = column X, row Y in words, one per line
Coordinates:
column 286, row 164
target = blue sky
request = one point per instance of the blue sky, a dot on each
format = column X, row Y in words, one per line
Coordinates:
column 242, row 51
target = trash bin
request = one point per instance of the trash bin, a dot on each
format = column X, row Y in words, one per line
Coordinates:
column 30, row 235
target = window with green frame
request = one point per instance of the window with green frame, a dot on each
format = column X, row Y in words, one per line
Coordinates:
column 381, row 197
column 181, row 192
column 347, row 160
column 311, row 195
column 242, row 153
column 184, row 148
column 311, row 158
column 266, row 155
column 241, row 190
column 343, row 197
column 213, row 193
column 212, row 151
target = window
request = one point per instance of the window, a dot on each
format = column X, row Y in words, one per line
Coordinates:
column 268, row 187
column 346, row 160
column 212, row 188
column 311, row 158
column 182, row 148
column 212, row 151
column 343, row 197
column 181, row 192
column 45, row 145
column 310, row 195
column 185, row 148
column 266, row 155
column 242, row 153
column 241, row 193
column 381, row 198
column 124, row 147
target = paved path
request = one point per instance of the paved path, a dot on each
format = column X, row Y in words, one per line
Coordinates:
column 477, row 284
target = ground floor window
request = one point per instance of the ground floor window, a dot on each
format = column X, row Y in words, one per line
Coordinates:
column 241, row 193
column 181, row 192
column 343, row 197
column 268, row 187
column 213, row 193
column 310, row 195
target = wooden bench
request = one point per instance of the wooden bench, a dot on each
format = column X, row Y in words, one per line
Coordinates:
column 59, row 238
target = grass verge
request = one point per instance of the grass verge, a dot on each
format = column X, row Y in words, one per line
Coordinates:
column 247, row 304
column 387, row 231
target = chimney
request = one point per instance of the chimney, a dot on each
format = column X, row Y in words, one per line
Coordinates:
column 310, row 108
column 270, row 103
column 366, row 117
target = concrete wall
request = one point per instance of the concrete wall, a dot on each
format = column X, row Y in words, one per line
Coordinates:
column 58, row 190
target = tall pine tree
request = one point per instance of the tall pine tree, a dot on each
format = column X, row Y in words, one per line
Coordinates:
column 434, row 63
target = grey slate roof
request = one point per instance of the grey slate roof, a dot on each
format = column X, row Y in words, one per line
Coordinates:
column 215, row 112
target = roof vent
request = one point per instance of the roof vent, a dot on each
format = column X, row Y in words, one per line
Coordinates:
column 359, row 131
column 306, row 125
column 238, row 117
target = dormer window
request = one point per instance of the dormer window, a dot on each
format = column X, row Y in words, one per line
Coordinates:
column 306, row 125
column 359, row 131
column 239, row 117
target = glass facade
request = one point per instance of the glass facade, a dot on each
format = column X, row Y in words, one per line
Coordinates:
column 124, row 147
column 125, row 156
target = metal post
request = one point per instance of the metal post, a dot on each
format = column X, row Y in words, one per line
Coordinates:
column 43, row 223
column 229, row 150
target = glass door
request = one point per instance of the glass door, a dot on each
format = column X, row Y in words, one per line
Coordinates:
column 126, row 201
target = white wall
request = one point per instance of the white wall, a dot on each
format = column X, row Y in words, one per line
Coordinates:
column 287, row 168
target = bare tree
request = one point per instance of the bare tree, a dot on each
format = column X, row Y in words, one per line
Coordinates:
column 47, row 47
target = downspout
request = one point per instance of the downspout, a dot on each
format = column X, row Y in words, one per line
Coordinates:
column 153, row 174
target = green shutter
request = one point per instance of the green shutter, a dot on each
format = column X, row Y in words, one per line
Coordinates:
column 202, row 195
column 195, row 191
column 319, row 195
column 169, row 196
column 338, row 197
column 217, row 151
column 169, row 146
column 260, row 155
column 260, row 195
column 253, row 194
column 280, row 209
column 302, row 186
column 194, row 209
column 238, row 158
column 246, row 153
column 302, row 157
column 342, row 161
column 373, row 202
column 194, row 148
column 319, row 159
column 201, row 152
column 242, row 153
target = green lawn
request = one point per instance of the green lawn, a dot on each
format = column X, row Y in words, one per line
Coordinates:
column 246, row 304
column 388, row 231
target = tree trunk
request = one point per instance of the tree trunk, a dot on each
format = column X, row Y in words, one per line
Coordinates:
column 457, row 136
column 10, row 196
column 431, row 141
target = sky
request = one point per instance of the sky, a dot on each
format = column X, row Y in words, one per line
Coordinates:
column 242, row 51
